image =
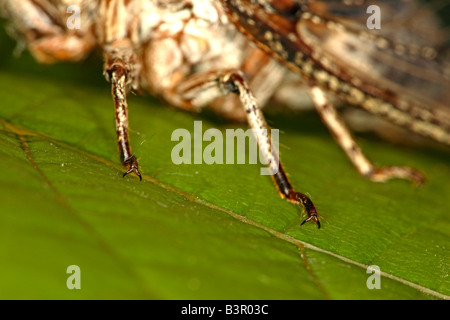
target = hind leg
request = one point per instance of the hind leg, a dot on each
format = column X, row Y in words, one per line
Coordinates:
column 214, row 84
column 347, row 142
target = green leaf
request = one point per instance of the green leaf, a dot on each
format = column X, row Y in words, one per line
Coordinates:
column 198, row 231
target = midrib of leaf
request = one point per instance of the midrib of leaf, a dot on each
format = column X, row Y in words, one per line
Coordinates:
column 305, row 262
column 301, row 245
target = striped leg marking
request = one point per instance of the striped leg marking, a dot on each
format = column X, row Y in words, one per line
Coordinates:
column 347, row 142
column 232, row 81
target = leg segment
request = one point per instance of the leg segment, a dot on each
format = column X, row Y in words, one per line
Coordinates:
column 118, row 70
column 346, row 141
column 41, row 26
column 219, row 83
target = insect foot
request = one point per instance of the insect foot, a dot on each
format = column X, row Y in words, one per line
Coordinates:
column 132, row 165
column 385, row 173
column 303, row 200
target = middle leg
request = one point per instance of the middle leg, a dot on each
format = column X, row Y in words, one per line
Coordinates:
column 219, row 83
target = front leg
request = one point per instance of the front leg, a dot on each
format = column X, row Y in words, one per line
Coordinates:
column 41, row 25
column 120, row 70
column 117, row 73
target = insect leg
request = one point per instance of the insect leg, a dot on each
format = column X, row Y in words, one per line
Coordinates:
column 118, row 72
column 347, row 142
column 42, row 28
column 232, row 81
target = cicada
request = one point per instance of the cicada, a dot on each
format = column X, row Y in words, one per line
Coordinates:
column 235, row 55
column 399, row 70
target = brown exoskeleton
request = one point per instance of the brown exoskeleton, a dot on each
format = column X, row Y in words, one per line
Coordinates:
column 190, row 53
column 400, row 71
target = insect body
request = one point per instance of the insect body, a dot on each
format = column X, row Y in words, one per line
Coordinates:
column 401, row 72
column 191, row 53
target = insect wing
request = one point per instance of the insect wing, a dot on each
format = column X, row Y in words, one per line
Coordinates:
column 407, row 56
column 405, row 62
